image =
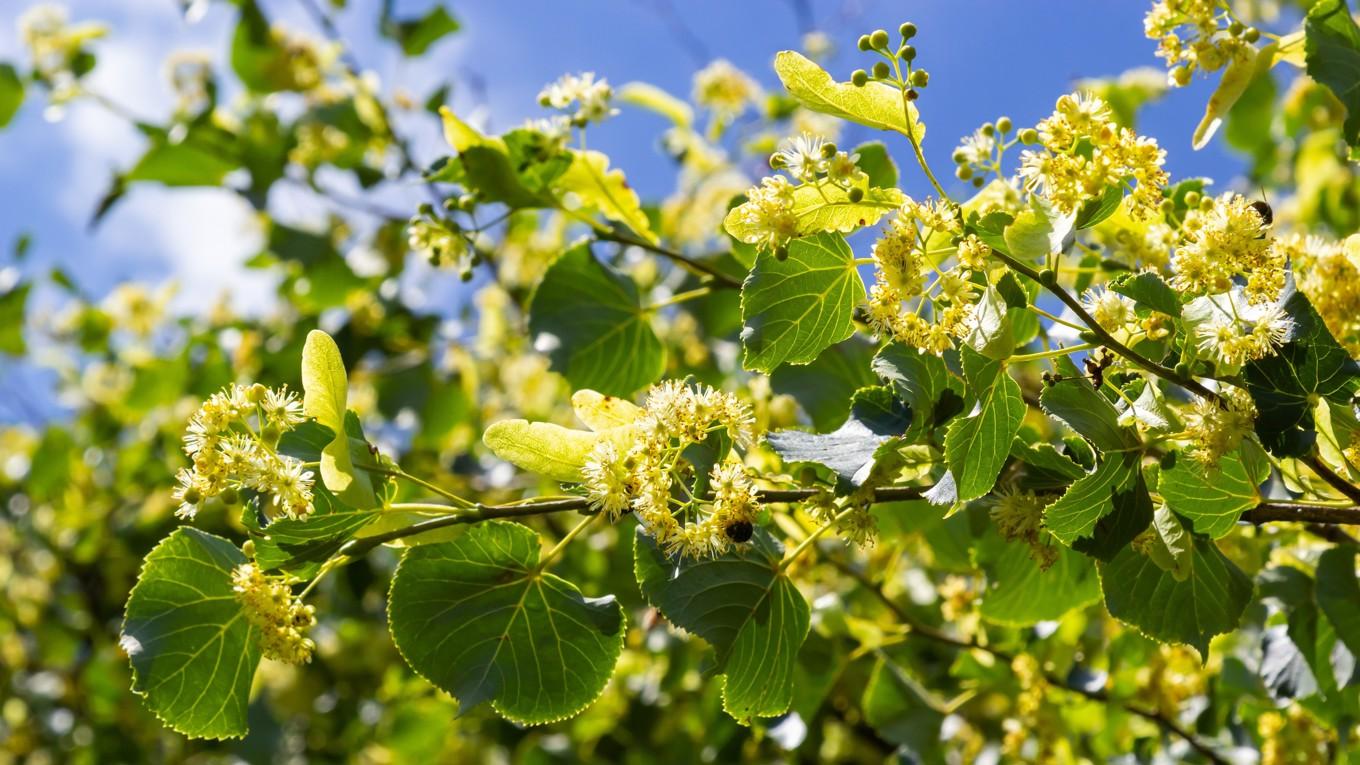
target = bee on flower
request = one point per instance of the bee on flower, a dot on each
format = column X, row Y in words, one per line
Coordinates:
column 654, row 480
column 1225, row 237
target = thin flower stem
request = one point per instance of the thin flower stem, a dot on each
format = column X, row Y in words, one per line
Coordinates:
column 1041, row 312
column 911, row 129
column 1053, row 353
column 811, row 538
column 557, row 549
column 719, row 278
column 421, row 507
column 402, row 474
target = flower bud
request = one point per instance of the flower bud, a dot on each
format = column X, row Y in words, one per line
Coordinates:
column 865, row 43
column 913, row 94
column 881, row 70
column 1003, row 124
column 1181, row 75
column 907, row 30
column 977, row 182
column 963, row 172
column 270, row 434
column 828, row 150
column 879, row 39
column 856, row 194
column 988, row 129
column 781, row 252
column 907, row 53
column 1029, row 136
column 1048, row 278
column 230, row 496
column 959, row 156
column 1192, row 199
column 859, row 78
column 192, row 496
column 256, row 393
column 1183, row 369
column 1236, row 28
column 1251, row 34
column 920, row 78
column 248, row 548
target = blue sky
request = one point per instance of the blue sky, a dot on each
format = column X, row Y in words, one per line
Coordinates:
column 986, row 58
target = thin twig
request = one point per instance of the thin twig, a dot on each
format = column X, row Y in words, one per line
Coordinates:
column 704, row 269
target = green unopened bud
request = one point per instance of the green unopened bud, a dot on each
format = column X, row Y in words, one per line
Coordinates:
column 776, row 161
column 192, row 496
column 465, row 274
column 256, row 393
column 988, row 129
column 781, row 252
column 828, row 150
column 959, row 156
column 467, row 202
column 450, row 204
column 1183, row 369
column 1206, row 204
column 963, row 172
column 1192, row 199
column 977, row 182
column 1236, row 28
column 1168, row 206
column 856, row 194
column 270, row 433
column 230, row 496
column 907, row 53
column 1048, row 278
column 859, row 78
column 913, row 94
column 248, row 548
column 920, row 78
column 865, row 43
column 1181, row 75
column 907, row 30
column 1251, row 34
column 1087, row 336
column 426, row 209
column 878, row 39
column 881, row 70
column 1029, row 136
column 1003, row 124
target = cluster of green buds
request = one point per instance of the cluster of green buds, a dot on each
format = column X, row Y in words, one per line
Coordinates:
column 442, row 240
column 897, row 67
column 980, row 153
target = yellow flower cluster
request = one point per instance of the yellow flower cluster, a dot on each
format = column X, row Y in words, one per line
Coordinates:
column 1147, row 244
column 768, row 213
column 1084, row 151
column 903, row 259
column 1329, row 274
column 1215, row 430
column 1191, row 36
column 1293, row 737
column 653, row 478
column 1225, row 237
column 1019, row 517
column 1172, row 677
column 1033, row 719
column 283, row 621
column 231, row 441
column 433, row 239
column 56, row 46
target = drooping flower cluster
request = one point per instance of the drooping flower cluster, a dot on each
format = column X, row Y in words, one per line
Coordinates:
column 902, row 305
column 768, row 213
column 437, row 239
column 655, row 480
column 1195, row 35
column 283, row 620
column 1224, row 237
column 57, row 47
column 231, row 440
column 1214, row 430
column 1019, row 516
column 591, row 97
column 1329, row 274
column 1232, row 331
column 1084, row 151
column 1294, row 736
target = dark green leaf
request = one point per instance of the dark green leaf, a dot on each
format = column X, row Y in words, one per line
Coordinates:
column 924, row 382
column 744, row 606
column 12, row 304
column 976, row 447
column 1075, row 515
column 793, row 309
column 477, row 618
column 876, row 416
column 1213, row 499
column 1148, row 289
column 1332, row 46
column 11, row 93
column 877, row 163
column 193, row 652
column 1019, row 592
column 604, row 336
column 824, row 387
column 1097, row 210
column 416, row 35
column 1338, row 593
column 1074, row 401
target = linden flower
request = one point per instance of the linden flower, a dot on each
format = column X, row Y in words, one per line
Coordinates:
column 675, row 417
column 590, row 96
column 1112, row 311
column 1222, row 238
column 1191, row 36
column 976, row 149
column 1084, row 151
column 283, row 620
column 1019, row 517
column 724, row 88
column 1215, row 430
column 1329, row 274
column 434, row 240
column 802, row 157
column 843, row 170
column 767, row 214
column 1232, row 331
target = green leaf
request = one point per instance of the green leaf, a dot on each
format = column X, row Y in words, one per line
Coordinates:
column 1097, row 210
column 1332, row 53
column 1172, row 547
column 1075, row 515
column 325, row 389
column 876, row 163
column 11, row 93
column 1076, row 402
column 594, row 188
column 876, row 417
column 1209, row 602
column 541, row 447
column 489, row 168
column 1036, row 232
column 193, row 652
column 822, row 208
column 900, row 709
column 200, row 159
column 1020, row 593
column 824, row 387
column 1213, row 499
column 300, row 546
column 1147, row 289
column 604, row 336
column 990, row 333
column 478, row 619
column 1282, row 385
column 793, row 309
column 877, row 105
column 924, row 382
column 743, row 605
column 12, row 305
column 1338, row 593
column 976, row 446
column 416, row 35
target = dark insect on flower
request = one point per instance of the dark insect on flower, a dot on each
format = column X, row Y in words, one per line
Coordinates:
column 1263, row 209
column 739, row 531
